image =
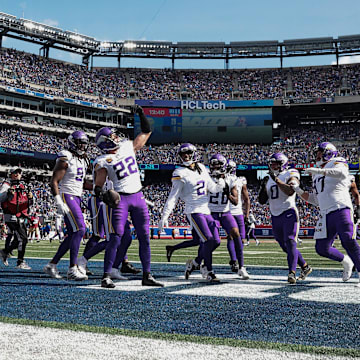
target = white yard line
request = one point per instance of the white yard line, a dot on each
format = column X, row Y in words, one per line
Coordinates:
column 37, row 343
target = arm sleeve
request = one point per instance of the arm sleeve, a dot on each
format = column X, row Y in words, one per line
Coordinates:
column 337, row 172
column 144, row 123
column 172, row 199
column 340, row 170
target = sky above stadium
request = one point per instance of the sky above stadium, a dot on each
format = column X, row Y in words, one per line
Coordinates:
column 195, row 20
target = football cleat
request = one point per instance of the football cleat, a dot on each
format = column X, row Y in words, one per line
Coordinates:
column 107, row 283
column 169, row 251
column 51, row 270
column 127, row 268
column 75, row 274
column 247, row 243
column 88, row 271
column 148, row 280
column 190, row 267
column 23, row 265
column 234, row 266
column 4, row 257
column 307, row 270
column 291, row 278
column 243, row 273
column 82, row 264
column 348, row 265
column 115, row 274
column 210, row 275
column 257, row 242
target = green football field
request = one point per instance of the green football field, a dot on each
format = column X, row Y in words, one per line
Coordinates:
column 268, row 253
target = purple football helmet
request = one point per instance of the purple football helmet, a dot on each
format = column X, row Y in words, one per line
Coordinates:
column 187, row 148
column 231, row 167
column 217, row 164
column 78, row 142
column 108, row 139
column 281, row 159
column 328, row 150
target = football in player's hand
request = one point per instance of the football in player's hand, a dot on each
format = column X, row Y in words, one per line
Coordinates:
column 111, row 198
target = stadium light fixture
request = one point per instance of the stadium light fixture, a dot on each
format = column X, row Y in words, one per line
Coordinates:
column 29, row 25
column 76, row 37
column 129, row 45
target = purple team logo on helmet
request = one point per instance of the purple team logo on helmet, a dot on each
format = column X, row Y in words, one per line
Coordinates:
column 328, row 150
column 108, row 139
column 78, row 142
column 187, row 148
column 217, row 164
column 231, row 167
column 281, row 159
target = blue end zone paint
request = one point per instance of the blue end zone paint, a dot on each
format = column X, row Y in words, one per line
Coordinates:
column 32, row 295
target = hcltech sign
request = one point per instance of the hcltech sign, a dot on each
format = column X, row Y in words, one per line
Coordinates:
column 202, row 105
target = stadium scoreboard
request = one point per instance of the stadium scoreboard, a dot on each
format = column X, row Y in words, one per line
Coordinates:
column 204, row 121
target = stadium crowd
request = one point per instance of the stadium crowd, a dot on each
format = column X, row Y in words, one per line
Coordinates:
column 297, row 143
column 103, row 85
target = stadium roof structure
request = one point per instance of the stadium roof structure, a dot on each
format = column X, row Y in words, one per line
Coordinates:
column 88, row 47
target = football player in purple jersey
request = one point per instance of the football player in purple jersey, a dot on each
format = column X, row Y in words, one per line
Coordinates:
column 219, row 204
column 191, row 182
column 118, row 164
column 240, row 211
column 278, row 191
column 330, row 184
column 67, row 183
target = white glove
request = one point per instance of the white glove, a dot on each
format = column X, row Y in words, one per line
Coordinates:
column 314, row 171
column 163, row 223
column 62, row 208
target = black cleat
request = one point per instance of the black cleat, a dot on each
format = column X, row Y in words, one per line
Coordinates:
column 291, row 278
column 211, row 277
column 127, row 268
column 234, row 266
column 190, row 267
column 4, row 256
column 307, row 270
column 148, row 280
column 88, row 271
column 169, row 251
column 107, row 283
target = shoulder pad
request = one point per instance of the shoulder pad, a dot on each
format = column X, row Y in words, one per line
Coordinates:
column 64, row 155
column 243, row 180
column 176, row 175
column 293, row 172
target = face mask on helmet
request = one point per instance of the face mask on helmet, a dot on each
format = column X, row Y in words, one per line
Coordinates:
column 217, row 164
column 231, row 167
column 187, row 154
column 107, row 139
column 281, row 160
column 78, row 142
column 324, row 153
